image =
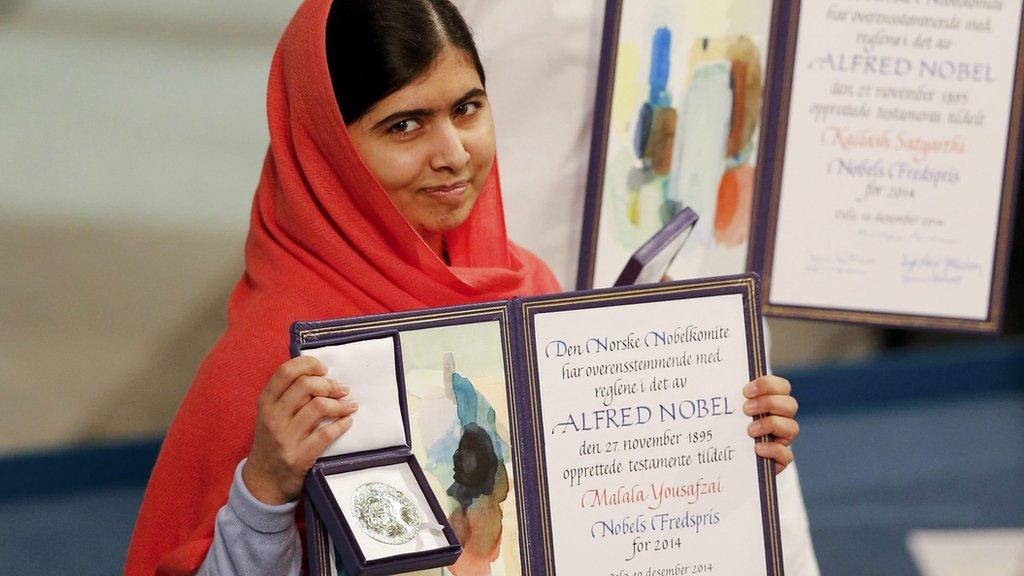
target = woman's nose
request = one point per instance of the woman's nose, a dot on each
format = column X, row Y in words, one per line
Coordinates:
column 450, row 151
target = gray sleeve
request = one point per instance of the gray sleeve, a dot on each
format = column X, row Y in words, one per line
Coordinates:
column 252, row 538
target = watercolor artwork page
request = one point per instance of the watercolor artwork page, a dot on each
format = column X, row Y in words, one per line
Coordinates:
column 677, row 125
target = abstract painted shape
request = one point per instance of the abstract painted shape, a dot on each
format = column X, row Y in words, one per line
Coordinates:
column 700, row 143
column 735, row 199
column 468, row 456
column 656, row 121
column 476, row 465
column 659, row 145
column 735, row 142
column 653, row 137
column 627, row 92
column 742, row 52
column 478, row 528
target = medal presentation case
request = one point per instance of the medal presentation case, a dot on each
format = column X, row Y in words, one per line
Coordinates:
column 368, row 489
column 568, row 431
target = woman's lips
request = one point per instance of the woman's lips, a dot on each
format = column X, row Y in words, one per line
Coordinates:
column 449, row 193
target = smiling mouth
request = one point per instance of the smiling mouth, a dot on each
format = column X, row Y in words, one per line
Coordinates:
column 447, row 192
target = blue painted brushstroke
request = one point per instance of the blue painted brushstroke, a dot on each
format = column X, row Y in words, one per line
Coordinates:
column 643, row 129
column 661, row 53
column 466, row 399
column 657, row 81
column 474, row 408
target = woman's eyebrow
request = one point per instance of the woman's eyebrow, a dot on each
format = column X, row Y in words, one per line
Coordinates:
column 401, row 114
column 473, row 93
column 425, row 112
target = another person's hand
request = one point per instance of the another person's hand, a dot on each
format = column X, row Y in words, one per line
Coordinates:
column 287, row 441
column 770, row 396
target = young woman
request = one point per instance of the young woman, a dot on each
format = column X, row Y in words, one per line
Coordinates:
column 379, row 193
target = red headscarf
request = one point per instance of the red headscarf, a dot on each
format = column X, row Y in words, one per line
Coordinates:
column 324, row 241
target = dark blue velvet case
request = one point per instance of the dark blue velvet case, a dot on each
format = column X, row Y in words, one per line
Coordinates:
column 322, row 507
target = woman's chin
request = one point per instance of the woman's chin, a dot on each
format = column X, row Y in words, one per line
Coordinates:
column 445, row 223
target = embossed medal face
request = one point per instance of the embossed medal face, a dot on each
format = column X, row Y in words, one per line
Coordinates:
column 385, row 513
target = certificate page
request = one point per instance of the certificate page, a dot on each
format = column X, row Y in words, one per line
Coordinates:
column 894, row 156
column 649, row 467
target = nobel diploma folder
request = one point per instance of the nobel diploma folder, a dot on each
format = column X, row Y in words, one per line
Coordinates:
column 598, row 428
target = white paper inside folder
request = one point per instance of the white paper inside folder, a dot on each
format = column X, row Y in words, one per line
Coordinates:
column 368, row 368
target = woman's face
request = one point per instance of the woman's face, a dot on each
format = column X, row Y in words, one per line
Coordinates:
column 431, row 144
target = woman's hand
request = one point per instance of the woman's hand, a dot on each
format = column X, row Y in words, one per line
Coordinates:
column 287, row 441
column 769, row 396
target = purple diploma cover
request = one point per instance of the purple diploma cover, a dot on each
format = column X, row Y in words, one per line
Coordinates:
column 563, row 432
column 650, row 262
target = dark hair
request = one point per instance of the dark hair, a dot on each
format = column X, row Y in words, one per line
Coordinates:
column 376, row 47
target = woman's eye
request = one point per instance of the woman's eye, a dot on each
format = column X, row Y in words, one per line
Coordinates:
column 404, row 127
column 467, row 109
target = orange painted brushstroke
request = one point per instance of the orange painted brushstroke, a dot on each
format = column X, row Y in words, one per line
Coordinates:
column 732, row 211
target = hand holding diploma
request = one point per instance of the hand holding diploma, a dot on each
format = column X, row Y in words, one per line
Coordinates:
column 769, row 397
